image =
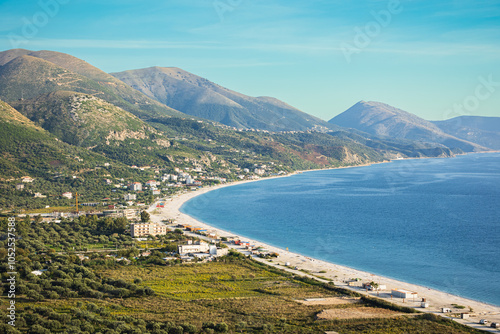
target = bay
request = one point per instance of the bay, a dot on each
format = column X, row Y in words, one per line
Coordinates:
column 432, row 222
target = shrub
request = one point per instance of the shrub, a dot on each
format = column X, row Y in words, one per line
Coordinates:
column 176, row 330
column 221, row 327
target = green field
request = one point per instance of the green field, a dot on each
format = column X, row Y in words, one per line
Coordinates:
column 235, row 294
column 245, row 295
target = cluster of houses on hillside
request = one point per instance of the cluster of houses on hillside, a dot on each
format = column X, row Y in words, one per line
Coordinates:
column 257, row 172
column 130, row 214
column 169, row 180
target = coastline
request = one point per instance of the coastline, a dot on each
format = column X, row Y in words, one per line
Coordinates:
column 337, row 273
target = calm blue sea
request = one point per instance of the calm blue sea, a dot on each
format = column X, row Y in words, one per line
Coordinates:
column 432, row 222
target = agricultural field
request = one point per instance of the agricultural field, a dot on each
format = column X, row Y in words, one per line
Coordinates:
column 235, row 294
column 252, row 298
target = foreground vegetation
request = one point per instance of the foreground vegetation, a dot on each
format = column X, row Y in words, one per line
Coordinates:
column 121, row 292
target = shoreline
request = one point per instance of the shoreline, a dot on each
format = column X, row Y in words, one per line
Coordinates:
column 335, row 272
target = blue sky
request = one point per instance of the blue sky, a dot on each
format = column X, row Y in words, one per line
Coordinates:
column 435, row 59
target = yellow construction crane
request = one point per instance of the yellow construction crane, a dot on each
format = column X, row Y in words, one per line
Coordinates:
column 76, row 202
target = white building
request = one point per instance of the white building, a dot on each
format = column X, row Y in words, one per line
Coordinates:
column 259, row 171
column 27, row 179
column 136, row 186
column 151, row 183
column 130, row 197
column 130, row 214
column 67, row 195
column 400, row 293
column 197, row 247
column 144, row 229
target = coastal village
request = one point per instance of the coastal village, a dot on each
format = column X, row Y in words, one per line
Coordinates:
column 135, row 195
column 205, row 244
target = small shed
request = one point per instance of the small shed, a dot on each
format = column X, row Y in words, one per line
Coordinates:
column 355, row 282
column 464, row 315
column 399, row 293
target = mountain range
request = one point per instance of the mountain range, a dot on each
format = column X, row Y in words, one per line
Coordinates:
column 200, row 97
column 383, row 120
column 484, row 131
column 60, row 116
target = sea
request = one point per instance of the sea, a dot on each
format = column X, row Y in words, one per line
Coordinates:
column 431, row 222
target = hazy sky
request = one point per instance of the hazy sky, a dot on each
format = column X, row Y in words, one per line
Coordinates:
column 437, row 59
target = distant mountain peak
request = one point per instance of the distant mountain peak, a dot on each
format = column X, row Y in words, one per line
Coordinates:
column 382, row 119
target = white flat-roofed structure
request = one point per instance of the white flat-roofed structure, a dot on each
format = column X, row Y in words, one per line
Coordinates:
column 202, row 247
column 136, row 186
column 130, row 197
column 68, row 195
column 400, row 293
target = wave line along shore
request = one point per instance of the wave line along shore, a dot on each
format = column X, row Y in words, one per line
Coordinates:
column 334, row 272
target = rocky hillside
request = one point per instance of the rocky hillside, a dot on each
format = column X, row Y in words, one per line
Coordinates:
column 82, row 119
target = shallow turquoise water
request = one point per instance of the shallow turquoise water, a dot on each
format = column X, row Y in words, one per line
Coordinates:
column 432, row 222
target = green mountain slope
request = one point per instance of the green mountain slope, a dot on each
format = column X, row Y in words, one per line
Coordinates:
column 27, row 74
column 82, row 119
column 27, row 149
column 381, row 119
column 70, row 132
column 200, row 97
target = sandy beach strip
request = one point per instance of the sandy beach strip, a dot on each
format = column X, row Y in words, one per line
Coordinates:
column 334, row 272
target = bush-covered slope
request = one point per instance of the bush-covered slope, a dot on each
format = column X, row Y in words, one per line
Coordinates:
column 82, row 119
column 29, row 76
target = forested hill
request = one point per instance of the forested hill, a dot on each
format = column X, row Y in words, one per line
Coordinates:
column 73, row 128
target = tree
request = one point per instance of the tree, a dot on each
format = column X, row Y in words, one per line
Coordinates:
column 176, row 330
column 37, row 329
column 189, row 328
column 221, row 327
column 33, row 295
column 145, row 217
